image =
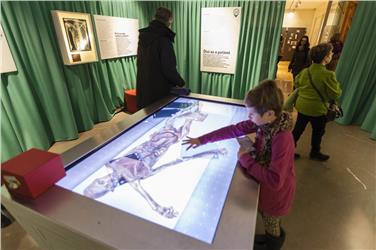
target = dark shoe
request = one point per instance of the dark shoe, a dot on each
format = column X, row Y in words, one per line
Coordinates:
column 260, row 246
column 275, row 243
column 296, row 156
column 318, row 156
column 260, row 238
column 260, row 242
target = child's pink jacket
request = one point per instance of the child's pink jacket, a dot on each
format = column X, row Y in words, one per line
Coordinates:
column 277, row 183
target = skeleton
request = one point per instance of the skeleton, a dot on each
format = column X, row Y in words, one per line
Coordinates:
column 138, row 163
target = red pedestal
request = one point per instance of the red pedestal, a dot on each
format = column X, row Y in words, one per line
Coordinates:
column 31, row 173
column 130, row 100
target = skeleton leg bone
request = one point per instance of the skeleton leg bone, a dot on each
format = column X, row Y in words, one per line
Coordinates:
column 168, row 212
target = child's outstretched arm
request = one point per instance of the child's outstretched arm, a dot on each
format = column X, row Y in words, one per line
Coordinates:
column 232, row 131
column 192, row 142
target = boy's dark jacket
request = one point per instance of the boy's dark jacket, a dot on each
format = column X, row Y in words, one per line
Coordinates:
column 156, row 64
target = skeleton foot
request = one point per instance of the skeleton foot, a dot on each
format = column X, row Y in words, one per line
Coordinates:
column 168, row 212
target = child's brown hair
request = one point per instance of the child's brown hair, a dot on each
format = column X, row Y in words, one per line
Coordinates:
column 265, row 96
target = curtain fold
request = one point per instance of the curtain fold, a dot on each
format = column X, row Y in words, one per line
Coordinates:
column 46, row 101
column 359, row 83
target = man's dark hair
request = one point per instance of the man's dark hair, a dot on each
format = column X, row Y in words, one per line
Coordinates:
column 163, row 15
column 319, row 52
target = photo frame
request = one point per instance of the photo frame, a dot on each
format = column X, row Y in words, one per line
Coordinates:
column 75, row 36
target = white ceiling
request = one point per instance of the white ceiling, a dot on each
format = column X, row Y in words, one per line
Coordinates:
column 305, row 4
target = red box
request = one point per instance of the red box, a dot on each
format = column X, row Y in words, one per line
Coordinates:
column 130, row 100
column 31, row 173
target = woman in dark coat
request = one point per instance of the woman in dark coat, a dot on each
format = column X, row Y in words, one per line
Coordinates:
column 300, row 58
column 156, row 61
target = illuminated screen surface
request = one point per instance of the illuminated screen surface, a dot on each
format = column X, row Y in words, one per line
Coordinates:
column 147, row 172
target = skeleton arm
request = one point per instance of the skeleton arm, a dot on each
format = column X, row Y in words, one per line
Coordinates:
column 184, row 130
column 207, row 154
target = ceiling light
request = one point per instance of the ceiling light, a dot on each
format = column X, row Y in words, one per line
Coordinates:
column 290, row 14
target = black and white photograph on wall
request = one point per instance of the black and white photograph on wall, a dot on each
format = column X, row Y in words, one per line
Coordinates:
column 75, row 37
column 77, row 34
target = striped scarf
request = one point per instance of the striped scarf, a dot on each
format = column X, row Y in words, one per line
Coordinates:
column 268, row 131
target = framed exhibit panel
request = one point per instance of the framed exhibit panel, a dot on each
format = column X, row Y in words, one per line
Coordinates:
column 7, row 63
column 117, row 36
column 141, row 188
column 220, row 28
column 75, row 36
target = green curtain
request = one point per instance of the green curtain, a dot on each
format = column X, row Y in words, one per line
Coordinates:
column 45, row 101
column 260, row 30
column 359, row 82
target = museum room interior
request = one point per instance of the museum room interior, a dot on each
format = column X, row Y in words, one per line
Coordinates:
column 68, row 75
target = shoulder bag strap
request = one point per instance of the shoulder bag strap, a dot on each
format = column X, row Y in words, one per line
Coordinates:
column 314, row 87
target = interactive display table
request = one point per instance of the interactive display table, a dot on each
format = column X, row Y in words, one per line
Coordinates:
column 137, row 186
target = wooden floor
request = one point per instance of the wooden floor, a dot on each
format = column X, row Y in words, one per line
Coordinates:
column 335, row 201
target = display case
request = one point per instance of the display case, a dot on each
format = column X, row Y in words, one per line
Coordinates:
column 137, row 185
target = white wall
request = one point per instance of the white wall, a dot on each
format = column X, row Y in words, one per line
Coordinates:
column 311, row 19
column 299, row 19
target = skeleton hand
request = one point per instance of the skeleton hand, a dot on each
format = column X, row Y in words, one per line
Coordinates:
column 167, row 212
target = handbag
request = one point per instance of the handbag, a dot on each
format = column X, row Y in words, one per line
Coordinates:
column 291, row 100
column 334, row 109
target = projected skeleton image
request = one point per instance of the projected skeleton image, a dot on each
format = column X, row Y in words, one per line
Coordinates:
column 141, row 161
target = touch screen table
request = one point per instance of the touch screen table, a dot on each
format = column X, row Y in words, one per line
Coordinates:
column 137, row 186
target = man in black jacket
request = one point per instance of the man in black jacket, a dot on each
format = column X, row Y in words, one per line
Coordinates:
column 156, row 61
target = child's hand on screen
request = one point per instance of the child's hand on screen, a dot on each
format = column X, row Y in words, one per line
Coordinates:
column 192, row 142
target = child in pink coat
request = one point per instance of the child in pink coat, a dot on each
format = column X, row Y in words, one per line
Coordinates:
column 272, row 162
